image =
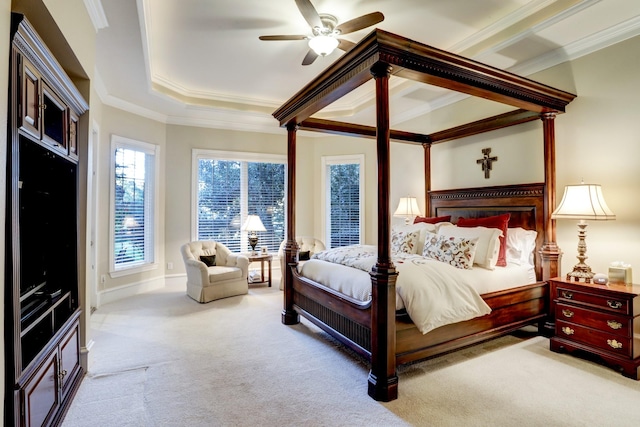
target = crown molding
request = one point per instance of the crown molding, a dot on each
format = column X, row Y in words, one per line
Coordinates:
column 96, row 13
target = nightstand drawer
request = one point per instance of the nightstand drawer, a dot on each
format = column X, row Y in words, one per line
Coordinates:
column 609, row 342
column 605, row 322
column 612, row 304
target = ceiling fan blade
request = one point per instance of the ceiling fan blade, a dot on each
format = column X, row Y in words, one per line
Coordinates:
column 363, row 21
column 285, row 37
column 309, row 12
column 309, row 58
column 345, row 45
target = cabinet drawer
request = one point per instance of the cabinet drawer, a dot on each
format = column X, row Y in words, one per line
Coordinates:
column 609, row 303
column 605, row 322
column 609, row 342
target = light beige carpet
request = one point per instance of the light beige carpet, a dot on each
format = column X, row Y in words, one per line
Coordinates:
column 161, row 359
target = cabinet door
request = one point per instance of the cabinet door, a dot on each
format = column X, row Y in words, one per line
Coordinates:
column 30, row 100
column 41, row 397
column 69, row 360
column 54, row 120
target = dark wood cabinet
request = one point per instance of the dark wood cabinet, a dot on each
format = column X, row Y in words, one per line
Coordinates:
column 42, row 309
column 599, row 320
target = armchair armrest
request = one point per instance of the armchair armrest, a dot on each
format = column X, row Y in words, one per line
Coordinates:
column 240, row 261
column 197, row 271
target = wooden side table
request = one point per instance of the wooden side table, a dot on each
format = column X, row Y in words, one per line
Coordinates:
column 602, row 320
column 261, row 258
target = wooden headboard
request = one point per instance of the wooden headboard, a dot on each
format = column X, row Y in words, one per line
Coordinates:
column 524, row 202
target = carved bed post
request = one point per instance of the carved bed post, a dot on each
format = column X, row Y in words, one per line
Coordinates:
column 289, row 315
column 550, row 252
column 427, row 178
column 383, row 378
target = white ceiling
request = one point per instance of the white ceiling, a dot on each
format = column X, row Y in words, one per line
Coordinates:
column 200, row 62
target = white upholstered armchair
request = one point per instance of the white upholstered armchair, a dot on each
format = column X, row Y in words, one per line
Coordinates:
column 308, row 246
column 213, row 271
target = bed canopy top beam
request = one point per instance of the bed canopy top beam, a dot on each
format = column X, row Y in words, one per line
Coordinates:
column 349, row 129
column 491, row 123
column 416, row 61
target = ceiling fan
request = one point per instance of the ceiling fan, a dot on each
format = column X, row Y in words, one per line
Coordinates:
column 326, row 30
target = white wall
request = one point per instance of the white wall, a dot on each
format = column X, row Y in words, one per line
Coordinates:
column 597, row 140
column 117, row 122
column 181, row 140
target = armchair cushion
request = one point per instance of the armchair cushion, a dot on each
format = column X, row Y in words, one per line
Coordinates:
column 210, row 260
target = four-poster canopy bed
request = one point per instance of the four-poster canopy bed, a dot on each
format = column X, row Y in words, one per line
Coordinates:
column 372, row 328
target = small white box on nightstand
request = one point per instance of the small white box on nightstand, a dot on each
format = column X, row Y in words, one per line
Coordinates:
column 620, row 275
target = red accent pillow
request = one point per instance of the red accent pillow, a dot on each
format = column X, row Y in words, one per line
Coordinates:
column 432, row 220
column 500, row 222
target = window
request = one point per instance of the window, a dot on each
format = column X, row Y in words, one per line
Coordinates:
column 343, row 179
column 133, row 205
column 231, row 186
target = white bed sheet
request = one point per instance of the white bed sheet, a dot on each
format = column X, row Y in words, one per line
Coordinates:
column 357, row 283
column 425, row 304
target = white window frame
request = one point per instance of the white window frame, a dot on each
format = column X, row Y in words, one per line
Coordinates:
column 197, row 154
column 325, row 205
column 151, row 190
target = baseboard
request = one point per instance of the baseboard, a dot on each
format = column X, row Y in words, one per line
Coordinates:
column 129, row 290
column 84, row 355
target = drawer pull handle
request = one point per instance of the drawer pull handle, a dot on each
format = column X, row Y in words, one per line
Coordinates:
column 567, row 294
column 567, row 330
column 614, row 344
column 613, row 324
column 567, row 313
column 614, row 304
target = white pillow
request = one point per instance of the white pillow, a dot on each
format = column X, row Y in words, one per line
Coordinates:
column 521, row 245
column 456, row 251
column 421, row 227
column 487, row 246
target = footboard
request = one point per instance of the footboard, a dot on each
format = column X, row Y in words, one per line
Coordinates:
column 346, row 319
column 510, row 310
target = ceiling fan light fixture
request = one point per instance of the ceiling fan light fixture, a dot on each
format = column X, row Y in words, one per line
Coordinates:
column 323, row 45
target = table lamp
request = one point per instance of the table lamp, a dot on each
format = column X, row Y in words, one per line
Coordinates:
column 582, row 202
column 407, row 208
column 253, row 224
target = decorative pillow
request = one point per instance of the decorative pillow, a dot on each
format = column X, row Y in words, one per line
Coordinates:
column 500, row 222
column 210, row 260
column 404, row 242
column 421, row 228
column 432, row 220
column 304, row 255
column 455, row 251
column 521, row 244
column 487, row 245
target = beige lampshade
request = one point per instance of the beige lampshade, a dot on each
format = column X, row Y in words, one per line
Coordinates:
column 407, row 207
column 583, row 201
column 253, row 223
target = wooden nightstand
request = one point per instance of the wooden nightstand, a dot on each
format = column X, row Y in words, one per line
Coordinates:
column 603, row 320
column 261, row 258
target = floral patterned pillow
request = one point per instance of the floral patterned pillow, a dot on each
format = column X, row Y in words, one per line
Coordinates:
column 456, row 251
column 404, row 242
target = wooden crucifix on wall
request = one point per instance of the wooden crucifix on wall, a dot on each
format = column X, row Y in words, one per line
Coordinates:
column 486, row 161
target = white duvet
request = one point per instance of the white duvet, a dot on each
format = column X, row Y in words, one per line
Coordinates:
column 433, row 293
